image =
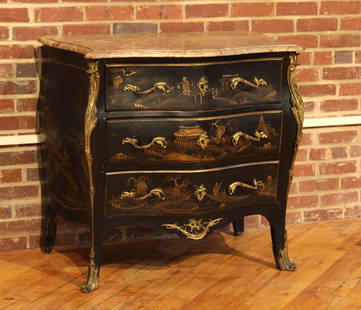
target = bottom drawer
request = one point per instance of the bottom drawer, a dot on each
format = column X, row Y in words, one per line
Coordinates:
column 187, row 192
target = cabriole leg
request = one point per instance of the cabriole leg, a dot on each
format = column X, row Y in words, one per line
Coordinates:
column 95, row 261
column 50, row 229
column 238, row 227
column 280, row 250
column 92, row 282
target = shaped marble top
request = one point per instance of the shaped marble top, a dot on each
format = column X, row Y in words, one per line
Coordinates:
column 169, row 44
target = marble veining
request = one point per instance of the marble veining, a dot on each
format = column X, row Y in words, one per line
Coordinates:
column 169, row 45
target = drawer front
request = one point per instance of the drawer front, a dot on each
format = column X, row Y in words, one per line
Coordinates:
column 202, row 191
column 188, row 87
column 193, row 140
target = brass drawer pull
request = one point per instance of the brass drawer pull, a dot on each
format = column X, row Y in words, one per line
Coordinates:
column 255, row 186
column 194, row 229
column 255, row 83
column 157, row 140
column 258, row 135
column 162, row 86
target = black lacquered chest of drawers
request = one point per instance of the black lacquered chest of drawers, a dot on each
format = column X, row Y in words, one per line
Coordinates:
column 183, row 133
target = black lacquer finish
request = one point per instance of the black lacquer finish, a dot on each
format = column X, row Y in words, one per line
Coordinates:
column 191, row 86
column 185, row 147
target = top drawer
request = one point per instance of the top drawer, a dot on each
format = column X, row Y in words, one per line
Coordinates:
column 216, row 85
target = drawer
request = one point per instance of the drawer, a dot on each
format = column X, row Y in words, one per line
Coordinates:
column 187, row 192
column 193, row 86
column 153, row 141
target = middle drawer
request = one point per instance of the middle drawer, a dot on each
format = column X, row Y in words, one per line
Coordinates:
column 160, row 141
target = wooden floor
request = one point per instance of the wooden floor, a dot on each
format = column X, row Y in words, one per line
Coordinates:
column 221, row 272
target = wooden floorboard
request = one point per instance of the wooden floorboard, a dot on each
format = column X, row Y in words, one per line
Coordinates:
column 220, row 272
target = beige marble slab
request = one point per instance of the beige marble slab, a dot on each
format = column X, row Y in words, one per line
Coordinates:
column 169, row 45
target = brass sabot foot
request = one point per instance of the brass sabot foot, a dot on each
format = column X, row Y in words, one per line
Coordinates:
column 283, row 262
column 92, row 283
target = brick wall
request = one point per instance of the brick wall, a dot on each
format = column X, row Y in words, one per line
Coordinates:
column 328, row 179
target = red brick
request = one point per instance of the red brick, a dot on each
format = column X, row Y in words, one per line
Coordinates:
column 29, row 210
column 338, row 167
column 294, row 218
column 309, row 106
column 304, row 40
column 86, row 29
column 318, row 185
column 301, row 155
column 5, row 212
column 340, row 40
column 17, row 122
column 182, row 27
column 17, row 87
column 340, row 7
column 206, row 10
column 317, row 24
column 358, row 56
column 304, row 170
column 351, row 23
column 34, row 242
column 159, row 12
column 355, row 150
column 252, row 221
column 32, row 174
column 25, row 70
column 317, row 90
column 252, row 9
column 338, row 152
column 339, row 199
column 4, row 33
column 304, row 201
column 296, row 8
column 339, row 73
column 6, row 105
column 13, row 15
column 26, row 104
column 15, row 243
column 306, row 139
column 338, row 137
column 17, row 158
column 343, row 57
column 352, row 212
column 322, row 58
column 263, row 221
column 350, row 89
column 293, row 188
column 33, row 33
column 323, row 215
column 58, row 14
column 317, row 154
column 10, row 175
column 6, row 71
column 304, row 59
column 16, row 192
column 109, row 12
column 351, row 182
column 16, row 51
column 306, row 74
column 228, row 25
column 20, row 226
column 335, row 105
column 273, row 25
